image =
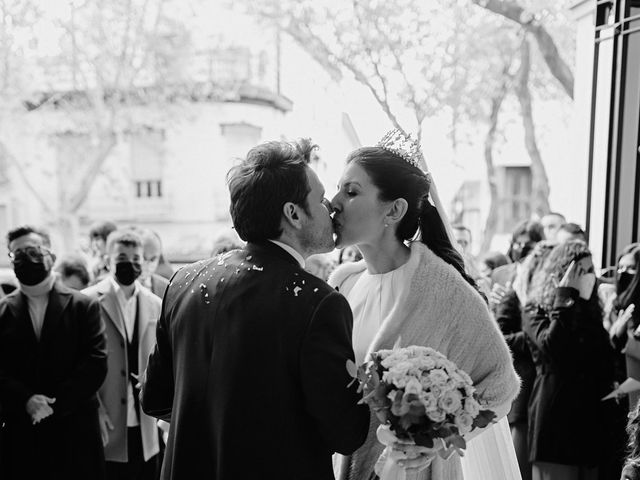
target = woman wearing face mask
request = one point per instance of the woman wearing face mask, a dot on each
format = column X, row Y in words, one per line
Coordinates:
column 622, row 314
column 416, row 293
column 574, row 366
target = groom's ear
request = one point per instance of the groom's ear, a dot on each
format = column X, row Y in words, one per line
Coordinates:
column 291, row 214
column 396, row 212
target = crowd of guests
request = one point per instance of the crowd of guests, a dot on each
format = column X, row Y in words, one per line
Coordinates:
column 82, row 328
column 574, row 337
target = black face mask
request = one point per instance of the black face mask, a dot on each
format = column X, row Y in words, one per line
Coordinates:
column 127, row 272
column 30, row 272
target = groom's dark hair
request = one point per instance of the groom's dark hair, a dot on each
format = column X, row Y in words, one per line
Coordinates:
column 273, row 174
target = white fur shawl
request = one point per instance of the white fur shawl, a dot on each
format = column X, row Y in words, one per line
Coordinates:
column 442, row 311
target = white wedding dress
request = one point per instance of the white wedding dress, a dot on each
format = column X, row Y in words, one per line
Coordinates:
column 490, row 455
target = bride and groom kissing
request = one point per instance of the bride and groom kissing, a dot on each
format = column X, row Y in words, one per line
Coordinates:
column 249, row 366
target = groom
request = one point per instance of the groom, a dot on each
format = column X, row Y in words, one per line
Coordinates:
column 249, row 366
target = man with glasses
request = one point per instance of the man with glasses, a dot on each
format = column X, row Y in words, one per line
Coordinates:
column 53, row 359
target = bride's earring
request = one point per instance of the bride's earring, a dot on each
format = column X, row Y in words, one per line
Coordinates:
column 386, row 225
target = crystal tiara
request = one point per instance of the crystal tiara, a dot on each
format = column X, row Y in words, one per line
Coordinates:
column 401, row 144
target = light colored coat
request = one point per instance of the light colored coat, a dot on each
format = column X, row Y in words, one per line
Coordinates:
column 439, row 309
column 114, row 389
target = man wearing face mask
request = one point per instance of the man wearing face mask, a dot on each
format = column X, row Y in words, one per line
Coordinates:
column 130, row 313
column 53, row 359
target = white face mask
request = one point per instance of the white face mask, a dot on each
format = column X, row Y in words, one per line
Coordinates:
column 587, row 282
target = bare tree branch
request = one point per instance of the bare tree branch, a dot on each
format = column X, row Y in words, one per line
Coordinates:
column 11, row 159
column 547, row 46
column 302, row 38
column 107, row 142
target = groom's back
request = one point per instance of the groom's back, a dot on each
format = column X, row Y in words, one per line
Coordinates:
column 258, row 350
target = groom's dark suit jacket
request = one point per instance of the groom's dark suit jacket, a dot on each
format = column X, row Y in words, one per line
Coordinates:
column 250, row 365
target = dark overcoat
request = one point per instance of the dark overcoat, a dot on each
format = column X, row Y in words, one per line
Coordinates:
column 574, row 366
column 509, row 317
column 250, row 368
column 68, row 363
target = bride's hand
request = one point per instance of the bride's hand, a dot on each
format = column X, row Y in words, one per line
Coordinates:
column 408, row 455
column 413, row 457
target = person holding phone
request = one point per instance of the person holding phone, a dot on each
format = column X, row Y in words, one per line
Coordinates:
column 574, row 367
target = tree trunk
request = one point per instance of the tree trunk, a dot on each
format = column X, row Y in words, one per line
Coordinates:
column 100, row 154
column 68, row 226
column 516, row 13
column 540, row 182
column 491, row 222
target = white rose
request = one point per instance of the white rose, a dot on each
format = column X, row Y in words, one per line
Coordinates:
column 436, row 415
column 429, row 401
column 472, row 407
column 428, row 363
column 450, row 385
column 450, row 401
column 436, row 391
column 402, row 366
column 438, row 377
column 413, row 386
column 464, row 423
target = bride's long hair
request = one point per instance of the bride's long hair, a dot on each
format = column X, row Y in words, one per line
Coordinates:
column 397, row 178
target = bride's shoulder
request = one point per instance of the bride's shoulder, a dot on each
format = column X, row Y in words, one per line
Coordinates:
column 433, row 273
column 344, row 272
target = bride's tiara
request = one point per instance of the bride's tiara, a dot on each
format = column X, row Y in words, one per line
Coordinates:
column 401, row 144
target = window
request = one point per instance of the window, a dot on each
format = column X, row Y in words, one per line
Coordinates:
column 148, row 188
column 147, row 162
column 516, row 188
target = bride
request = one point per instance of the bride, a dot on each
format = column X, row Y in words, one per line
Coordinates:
column 417, row 293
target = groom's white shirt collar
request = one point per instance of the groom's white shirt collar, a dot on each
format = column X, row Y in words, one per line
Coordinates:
column 291, row 251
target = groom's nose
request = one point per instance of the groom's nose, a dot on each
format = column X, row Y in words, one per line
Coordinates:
column 327, row 205
column 334, row 204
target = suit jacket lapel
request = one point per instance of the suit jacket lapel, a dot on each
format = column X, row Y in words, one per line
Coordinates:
column 109, row 302
column 58, row 301
column 18, row 305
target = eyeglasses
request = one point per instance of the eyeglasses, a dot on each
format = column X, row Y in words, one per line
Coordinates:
column 33, row 252
column 629, row 270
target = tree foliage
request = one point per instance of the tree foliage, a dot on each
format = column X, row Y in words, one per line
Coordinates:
column 446, row 59
column 89, row 65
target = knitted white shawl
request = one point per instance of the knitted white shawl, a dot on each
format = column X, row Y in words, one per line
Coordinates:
column 442, row 311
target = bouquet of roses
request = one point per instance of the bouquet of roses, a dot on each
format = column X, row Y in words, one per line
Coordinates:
column 422, row 397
